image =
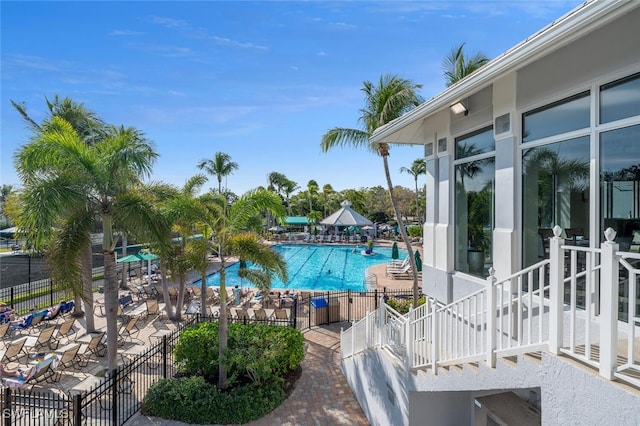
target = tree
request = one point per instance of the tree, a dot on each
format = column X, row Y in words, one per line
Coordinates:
column 456, row 66
column 5, row 192
column 312, row 190
column 221, row 166
column 63, row 176
column 235, row 232
column 384, row 102
column 288, row 188
column 418, row 167
column 90, row 128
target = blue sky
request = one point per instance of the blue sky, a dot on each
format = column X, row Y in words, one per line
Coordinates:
column 260, row 81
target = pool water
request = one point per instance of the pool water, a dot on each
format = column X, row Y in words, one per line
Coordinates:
column 308, row 267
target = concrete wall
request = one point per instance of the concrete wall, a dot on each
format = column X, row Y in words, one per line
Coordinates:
column 571, row 394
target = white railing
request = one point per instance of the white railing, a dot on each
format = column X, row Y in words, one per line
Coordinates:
column 525, row 312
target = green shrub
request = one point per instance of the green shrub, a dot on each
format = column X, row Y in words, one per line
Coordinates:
column 414, row 231
column 193, row 400
column 257, row 352
column 403, row 305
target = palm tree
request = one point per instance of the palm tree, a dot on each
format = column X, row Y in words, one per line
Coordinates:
column 384, row 102
column 456, row 66
column 90, row 128
column 235, row 232
column 184, row 210
column 221, row 166
column 327, row 192
column 5, row 192
column 418, row 167
column 288, row 188
column 312, row 190
column 62, row 176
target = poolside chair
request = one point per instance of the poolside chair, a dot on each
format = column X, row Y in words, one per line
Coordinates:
column 4, row 331
column 95, row 347
column 129, row 331
column 66, row 330
column 173, row 293
column 196, row 291
column 33, row 343
column 402, row 272
column 153, row 308
column 260, row 315
column 42, row 370
column 13, row 352
column 395, row 266
column 149, row 291
column 68, row 357
column 282, row 314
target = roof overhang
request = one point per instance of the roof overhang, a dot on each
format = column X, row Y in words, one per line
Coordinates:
column 584, row 19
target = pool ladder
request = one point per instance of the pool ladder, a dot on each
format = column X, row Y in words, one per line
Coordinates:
column 370, row 282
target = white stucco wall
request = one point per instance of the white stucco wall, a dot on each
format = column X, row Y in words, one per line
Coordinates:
column 570, row 394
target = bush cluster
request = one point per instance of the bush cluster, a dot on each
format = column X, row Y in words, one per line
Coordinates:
column 403, row 305
column 257, row 359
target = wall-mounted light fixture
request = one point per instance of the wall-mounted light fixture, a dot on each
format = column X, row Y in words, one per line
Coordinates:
column 459, row 108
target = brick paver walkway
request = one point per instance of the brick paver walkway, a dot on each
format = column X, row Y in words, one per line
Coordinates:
column 321, row 395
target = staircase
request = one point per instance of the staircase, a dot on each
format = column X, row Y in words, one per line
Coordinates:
column 516, row 330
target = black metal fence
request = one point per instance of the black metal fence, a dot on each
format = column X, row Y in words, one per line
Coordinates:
column 116, row 398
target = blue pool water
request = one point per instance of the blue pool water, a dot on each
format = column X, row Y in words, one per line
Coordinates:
column 308, row 264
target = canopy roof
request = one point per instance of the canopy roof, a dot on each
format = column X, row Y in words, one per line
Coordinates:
column 138, row 257
column 296, row 220
column 346, row 216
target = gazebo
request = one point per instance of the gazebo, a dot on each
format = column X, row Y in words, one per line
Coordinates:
column 346, row 216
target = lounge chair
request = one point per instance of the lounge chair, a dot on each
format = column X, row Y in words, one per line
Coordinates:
column 129, row 331
column 260, row 315
column 4, row 331
column 66, row 330
column 68, row 356
column 149, row 291
column 42, row 370
column 196, row 291
column 173, row 293
column 153, row 307
column 402, row 272
column 94, row 347
column 395, row 266
column 34, row 343
column 13, row 352
column 282, row 314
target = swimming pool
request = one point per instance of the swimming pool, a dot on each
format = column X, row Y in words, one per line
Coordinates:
column 308, row 266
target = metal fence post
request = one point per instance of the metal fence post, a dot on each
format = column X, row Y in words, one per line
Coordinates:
column 114, row 397
column 77, row 409
column 164, row 357
column 7, row 406
column 12, row 299
column 51, row 291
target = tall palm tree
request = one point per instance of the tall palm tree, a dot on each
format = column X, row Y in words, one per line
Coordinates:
column 327, row 192
column 62, row 175
column 288, row 188
column 221, row 166
column 418, row 167
column 5, row 192
column 184, row 210
column 312, row 190
column 456, row 66
column 384, row 102
column 91, row 129
column 235, row 232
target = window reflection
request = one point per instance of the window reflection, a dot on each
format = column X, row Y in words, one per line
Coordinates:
column 556, row 118
column 620, row 99
column 555, row 192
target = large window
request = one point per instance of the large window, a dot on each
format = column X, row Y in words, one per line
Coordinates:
column 474, row 207
column 555, row 187
column 557, row 118
column 620, row 99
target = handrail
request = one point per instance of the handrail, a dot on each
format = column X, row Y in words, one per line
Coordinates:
column 526, row 312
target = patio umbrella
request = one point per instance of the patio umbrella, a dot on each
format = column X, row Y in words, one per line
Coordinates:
column 276, row 228
column 418, row 261
column 140, row 257
column 394, row 251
